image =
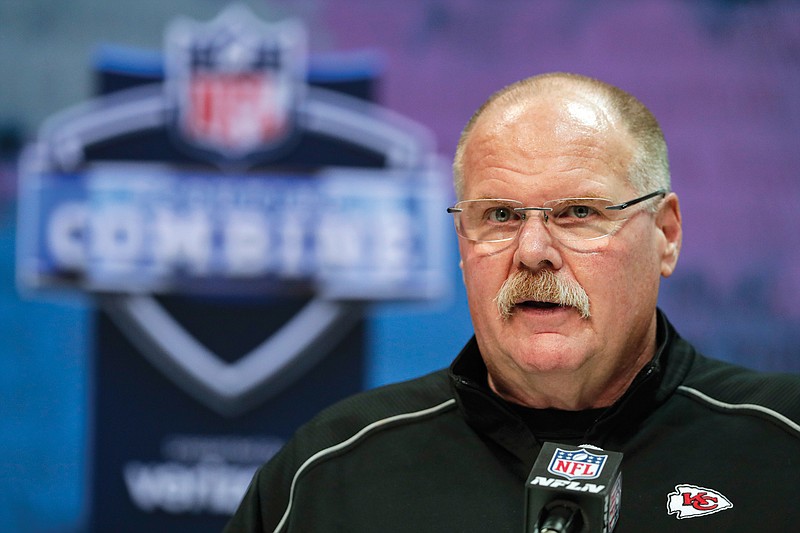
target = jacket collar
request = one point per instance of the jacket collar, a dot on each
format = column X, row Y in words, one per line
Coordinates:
column 494, row 418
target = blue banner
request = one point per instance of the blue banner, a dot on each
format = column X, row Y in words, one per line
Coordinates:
column 344, row 233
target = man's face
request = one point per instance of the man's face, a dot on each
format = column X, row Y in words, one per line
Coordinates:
column 560, row 147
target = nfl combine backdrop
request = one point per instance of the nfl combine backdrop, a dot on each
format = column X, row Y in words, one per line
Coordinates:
column 231, row 206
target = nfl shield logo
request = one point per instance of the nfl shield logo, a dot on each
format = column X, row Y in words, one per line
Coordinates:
column 235, row 81
column 576, row 464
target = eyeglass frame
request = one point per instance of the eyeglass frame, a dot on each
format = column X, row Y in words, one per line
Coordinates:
column 521, row 211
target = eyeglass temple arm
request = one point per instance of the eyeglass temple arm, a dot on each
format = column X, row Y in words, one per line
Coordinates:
column 625, row 205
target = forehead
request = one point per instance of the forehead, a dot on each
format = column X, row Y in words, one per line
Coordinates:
column 548, row 141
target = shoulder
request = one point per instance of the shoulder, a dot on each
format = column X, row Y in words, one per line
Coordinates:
column 335, row 433
column 409, row 402
column 735, row 390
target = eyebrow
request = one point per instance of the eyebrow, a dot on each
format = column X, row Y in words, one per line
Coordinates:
column 495, row 198
column 588, row 196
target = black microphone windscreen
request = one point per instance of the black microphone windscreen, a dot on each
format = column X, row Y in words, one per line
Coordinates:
column 573, row 489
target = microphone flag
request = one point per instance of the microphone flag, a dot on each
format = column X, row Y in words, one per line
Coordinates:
column 573, row 489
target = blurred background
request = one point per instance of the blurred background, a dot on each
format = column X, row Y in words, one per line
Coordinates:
column 722, row 76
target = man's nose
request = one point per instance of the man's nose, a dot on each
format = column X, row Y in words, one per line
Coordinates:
column 535, row 244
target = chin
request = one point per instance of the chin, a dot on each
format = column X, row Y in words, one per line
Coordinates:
column 544, row 359
column 550, row 365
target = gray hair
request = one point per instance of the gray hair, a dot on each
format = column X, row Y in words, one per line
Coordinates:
column 649, row 166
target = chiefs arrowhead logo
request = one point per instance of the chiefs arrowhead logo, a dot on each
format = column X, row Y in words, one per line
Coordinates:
column 691, row 501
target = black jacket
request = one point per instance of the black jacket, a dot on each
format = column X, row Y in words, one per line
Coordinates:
column 707, row 446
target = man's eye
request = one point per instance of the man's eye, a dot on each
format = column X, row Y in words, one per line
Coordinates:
column 501, row 214
column 577, row 211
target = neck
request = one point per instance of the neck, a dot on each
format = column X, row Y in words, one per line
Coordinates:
column 586, row 388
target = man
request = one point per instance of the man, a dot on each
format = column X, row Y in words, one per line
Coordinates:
column 566, row 224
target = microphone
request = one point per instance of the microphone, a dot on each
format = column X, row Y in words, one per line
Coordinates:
column 573, row 489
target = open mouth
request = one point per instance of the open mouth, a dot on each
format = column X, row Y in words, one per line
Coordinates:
column 538, row 305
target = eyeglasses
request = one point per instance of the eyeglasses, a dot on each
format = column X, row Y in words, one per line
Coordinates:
column 577, row 222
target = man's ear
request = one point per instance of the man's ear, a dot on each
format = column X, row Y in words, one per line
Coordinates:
column 669, row 224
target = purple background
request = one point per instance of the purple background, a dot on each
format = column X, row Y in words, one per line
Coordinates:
column 723, row 77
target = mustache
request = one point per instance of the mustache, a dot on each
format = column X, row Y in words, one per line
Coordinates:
column 541, row 286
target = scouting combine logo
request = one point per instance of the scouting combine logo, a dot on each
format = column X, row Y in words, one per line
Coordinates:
column 577, row 464
column 234, row 178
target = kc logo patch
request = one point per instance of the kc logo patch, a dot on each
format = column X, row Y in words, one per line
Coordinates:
column 691, row 501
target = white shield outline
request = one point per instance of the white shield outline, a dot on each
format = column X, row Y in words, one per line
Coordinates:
column 228, row 389
column 264, row 371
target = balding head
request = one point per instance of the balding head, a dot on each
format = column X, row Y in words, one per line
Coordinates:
column 648, row 168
